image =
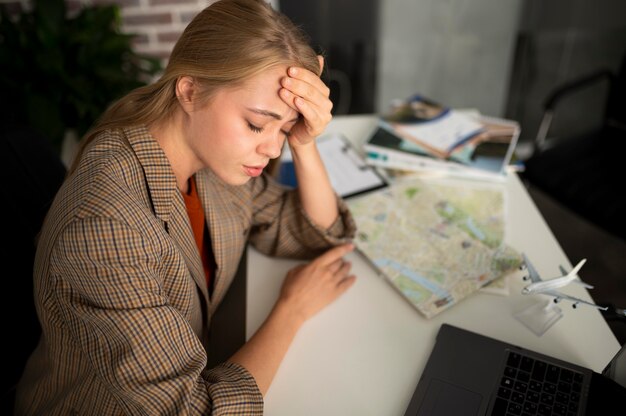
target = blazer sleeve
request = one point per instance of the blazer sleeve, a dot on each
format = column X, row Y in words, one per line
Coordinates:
column 281, row 227
column 140, row 347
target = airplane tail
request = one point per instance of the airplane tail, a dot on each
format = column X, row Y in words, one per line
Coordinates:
column 577, row 267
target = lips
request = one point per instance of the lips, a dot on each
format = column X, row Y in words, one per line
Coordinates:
column 254, row 171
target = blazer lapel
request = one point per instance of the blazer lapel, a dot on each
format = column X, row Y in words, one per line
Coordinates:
column 167, row 201
column 180, row 230
column 226, row 230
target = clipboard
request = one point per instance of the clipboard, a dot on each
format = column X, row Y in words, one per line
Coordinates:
column 348, row 172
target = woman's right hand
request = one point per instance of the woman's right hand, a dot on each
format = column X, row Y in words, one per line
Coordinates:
column 308, row 288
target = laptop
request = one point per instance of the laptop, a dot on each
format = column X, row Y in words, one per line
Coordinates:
column 471, row 374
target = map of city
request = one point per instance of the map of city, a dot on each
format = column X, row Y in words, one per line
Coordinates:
column 437, row 242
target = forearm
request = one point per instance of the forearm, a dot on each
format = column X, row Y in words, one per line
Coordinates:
column 314, row 187
column 263, row 353
column 306, row 290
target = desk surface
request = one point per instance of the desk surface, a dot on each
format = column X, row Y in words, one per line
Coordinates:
column 363, row 355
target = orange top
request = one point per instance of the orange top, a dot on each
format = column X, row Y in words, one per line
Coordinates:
column 198, row 226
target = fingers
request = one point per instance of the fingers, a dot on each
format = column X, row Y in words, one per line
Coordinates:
column 311, row 287
column 338, row 268
column 305, row 92
column 335, row 266
column 334, row 254
column 341, row 274
column 346, row 283
column 304, row 84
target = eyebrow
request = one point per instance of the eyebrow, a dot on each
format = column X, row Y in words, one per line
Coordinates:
column 270, row 114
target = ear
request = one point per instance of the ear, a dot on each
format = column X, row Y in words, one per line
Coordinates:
column 185, row 93
column 320, row 59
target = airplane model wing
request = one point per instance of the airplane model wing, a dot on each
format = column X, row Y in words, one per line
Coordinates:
column 559, row 295
column 532, row 272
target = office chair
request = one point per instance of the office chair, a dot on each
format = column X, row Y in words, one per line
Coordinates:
column 585, row 173
column 31, row 173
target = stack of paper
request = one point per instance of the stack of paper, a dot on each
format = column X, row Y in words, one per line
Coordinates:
column 420, row 135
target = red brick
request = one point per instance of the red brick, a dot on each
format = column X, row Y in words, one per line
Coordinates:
column 159, row 2
column 148, row 19
column 168, row 36
column 122, row 3
column 140, row 39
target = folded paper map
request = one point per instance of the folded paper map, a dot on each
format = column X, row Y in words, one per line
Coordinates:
column 436, row 241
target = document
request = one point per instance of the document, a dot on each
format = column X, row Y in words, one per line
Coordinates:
column 349, row 174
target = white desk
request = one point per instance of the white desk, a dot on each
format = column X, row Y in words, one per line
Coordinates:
column 364, row 354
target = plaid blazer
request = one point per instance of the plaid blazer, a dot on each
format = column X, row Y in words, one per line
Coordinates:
column 120, row 290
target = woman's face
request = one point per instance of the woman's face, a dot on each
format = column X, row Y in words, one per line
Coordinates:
column 241, row 129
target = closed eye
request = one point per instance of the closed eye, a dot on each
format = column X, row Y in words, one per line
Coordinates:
column 257, row 129
column 254, row 128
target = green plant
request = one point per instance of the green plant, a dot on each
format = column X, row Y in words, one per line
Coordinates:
column 59, row 72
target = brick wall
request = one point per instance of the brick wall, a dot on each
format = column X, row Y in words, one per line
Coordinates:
column 158, row 23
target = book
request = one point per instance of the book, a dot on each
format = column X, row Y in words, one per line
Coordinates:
column 434, row 128
column 436, row 240
column 347, row 170
column 484, row 155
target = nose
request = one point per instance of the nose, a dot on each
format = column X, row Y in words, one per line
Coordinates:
column 272, row 146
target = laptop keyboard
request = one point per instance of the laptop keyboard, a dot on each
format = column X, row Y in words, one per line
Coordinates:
column 529, row 386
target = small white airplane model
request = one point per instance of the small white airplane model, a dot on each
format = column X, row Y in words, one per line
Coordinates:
column 548, row 286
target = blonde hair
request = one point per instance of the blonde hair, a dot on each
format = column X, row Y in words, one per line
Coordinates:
column 224, row 45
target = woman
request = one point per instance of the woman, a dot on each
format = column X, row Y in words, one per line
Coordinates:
column 144, row 237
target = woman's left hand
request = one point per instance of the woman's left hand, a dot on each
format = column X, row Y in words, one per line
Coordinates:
column 306, row 93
